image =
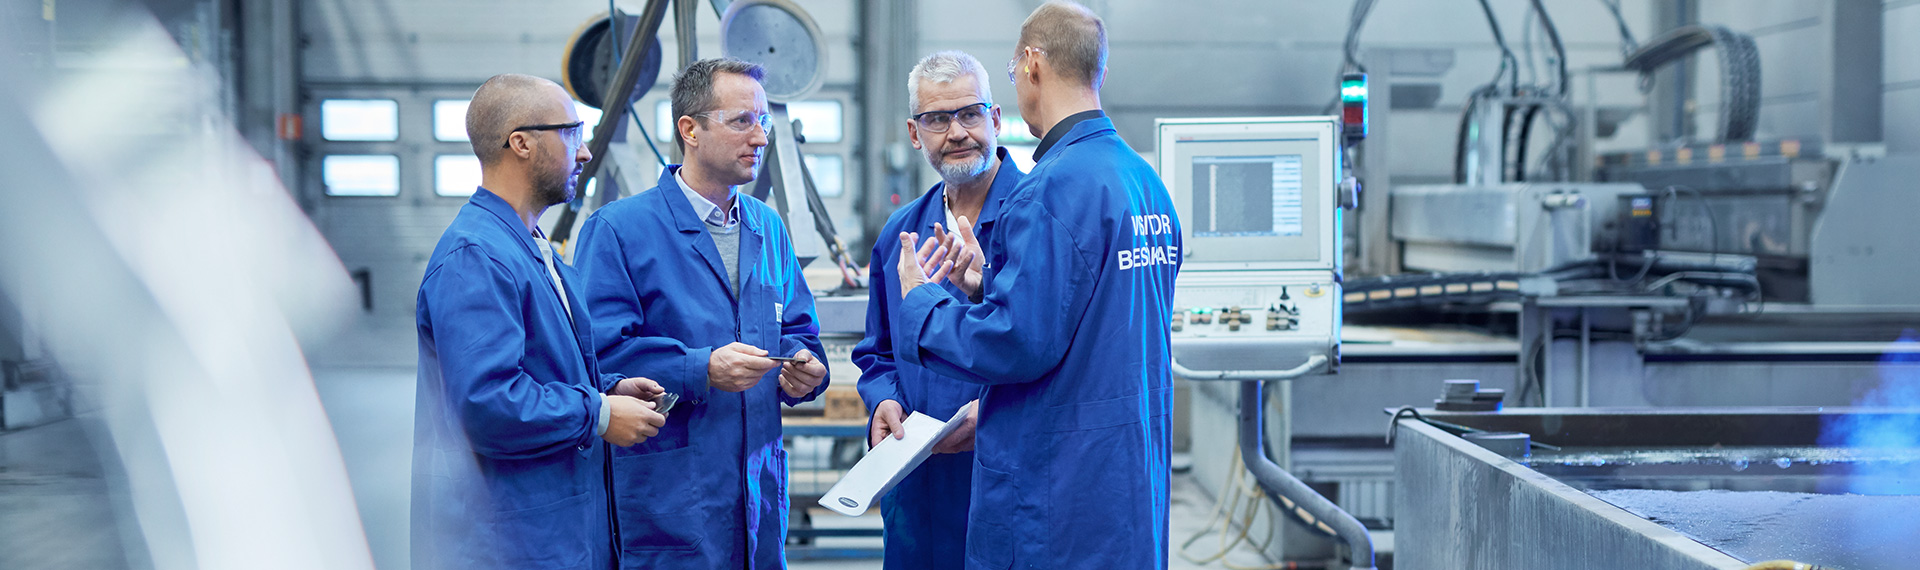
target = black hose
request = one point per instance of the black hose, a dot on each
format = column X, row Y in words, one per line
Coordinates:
column 1506, row 55
column 1627, row 43
column 1559, row 51
column 1460, row 137
column 1739, row 71
column 1526, row 132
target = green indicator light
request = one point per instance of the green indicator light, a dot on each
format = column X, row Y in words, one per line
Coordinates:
column 1352, row 90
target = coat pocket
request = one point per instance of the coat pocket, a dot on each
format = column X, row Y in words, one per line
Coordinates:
column 547, row 536
column 990, row 532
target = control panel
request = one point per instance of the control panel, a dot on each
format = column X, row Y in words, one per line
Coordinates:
column 1259, row 286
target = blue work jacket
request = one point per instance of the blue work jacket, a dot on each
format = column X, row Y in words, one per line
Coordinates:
column 926, row 513
column 1071, row 339
column 508, row 471
column 711, row 490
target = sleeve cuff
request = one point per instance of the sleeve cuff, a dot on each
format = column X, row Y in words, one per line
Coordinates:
column 694, row 387
column 606, row 417
column 911, row 321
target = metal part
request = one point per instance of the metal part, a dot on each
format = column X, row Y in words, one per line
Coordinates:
column 1313, row 364
column 1858, row 252
column 783, row 39
column 841, row 315
column 621, row 89
column 587, row 69
column 1459, row 503
column 1509, row 227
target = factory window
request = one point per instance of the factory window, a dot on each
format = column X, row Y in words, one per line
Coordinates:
column 450, row 120
column 663, row 121
column 360, row 119
column 361, row 174
column 819, row 120
column 589, row 117
column 829, row 173
column 455, row 174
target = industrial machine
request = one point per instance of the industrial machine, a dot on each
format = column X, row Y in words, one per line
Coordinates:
column 1258, row 297
column 1688, row 488
column 1259, row 285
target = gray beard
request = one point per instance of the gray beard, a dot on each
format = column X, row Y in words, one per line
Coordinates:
column 965, row 171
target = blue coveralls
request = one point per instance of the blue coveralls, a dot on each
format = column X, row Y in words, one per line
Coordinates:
column 926, row 513
column 1072, row 341
column 508, row 471
column 711, row 490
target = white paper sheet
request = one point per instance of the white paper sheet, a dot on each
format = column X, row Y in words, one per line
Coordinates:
column 886, row 464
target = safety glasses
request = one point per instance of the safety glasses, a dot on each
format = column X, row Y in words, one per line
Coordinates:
column 969, row 117
column 569, row 133
column 740, row 121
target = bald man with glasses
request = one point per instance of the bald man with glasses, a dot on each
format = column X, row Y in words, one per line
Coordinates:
column 697, row 285
column 512, row 409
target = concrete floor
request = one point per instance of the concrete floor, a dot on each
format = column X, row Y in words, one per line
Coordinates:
column 56, row 510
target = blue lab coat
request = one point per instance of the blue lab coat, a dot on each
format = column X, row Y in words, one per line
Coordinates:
column 508, row 471
column 1071, row 340
column 711, row 490
column 926, row 513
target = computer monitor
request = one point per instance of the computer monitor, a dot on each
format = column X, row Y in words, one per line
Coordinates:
column 1254, row 193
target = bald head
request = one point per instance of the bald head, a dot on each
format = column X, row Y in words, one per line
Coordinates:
column 1074, row 39
column 506, row 102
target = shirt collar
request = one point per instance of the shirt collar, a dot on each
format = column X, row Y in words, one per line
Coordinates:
column 1060, row 129
column 486, row 200
column 705, row 209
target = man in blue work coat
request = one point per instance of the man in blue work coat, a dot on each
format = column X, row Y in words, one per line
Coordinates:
column 695, row 285
column 511, row 410
column 956, row 125
column 1071, row 332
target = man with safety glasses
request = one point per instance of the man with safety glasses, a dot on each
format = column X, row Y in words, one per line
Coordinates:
column 696, row 285
column 512, row 406
column 1068, row 331
column 955, row 125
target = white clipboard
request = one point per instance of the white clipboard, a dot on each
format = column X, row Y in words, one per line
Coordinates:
column 886, row 464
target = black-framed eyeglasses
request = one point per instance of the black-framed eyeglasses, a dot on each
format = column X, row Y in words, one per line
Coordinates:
column 740, row 121
column 969, row 117
column 569, row 132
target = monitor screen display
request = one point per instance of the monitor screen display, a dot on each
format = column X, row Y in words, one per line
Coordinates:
column 1253, row 193
column 1246, row 196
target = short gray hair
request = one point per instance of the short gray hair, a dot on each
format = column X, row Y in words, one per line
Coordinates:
column 692, row 90
column 1074, row 39
column 944, row 67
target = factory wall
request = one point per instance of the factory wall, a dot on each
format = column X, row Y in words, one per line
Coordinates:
column 1901, row 111
column 1184, row 59
column 1796, row 58
column 417, row 52
column 1218, row 58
